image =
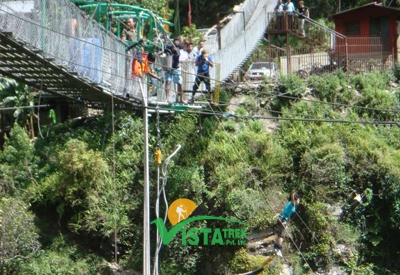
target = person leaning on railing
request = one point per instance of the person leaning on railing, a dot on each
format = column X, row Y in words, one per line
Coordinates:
column 129, row 33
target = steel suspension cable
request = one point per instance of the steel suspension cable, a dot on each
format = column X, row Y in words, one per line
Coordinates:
column 262, row 192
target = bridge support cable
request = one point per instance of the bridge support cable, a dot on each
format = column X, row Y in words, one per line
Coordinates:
column 268, row 203
column 240, row 36
column 63, row 35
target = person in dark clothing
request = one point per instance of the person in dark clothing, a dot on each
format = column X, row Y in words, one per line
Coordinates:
column 175, row 73
column 303, row 13
column 130, row 32
column 203, row 63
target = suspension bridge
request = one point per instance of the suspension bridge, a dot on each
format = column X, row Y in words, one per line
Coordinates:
column 61, row 49
column 56, row 47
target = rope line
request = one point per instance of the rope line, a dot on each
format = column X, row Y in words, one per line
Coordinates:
column 225, row 115
column 262, row 192
column 187, row 72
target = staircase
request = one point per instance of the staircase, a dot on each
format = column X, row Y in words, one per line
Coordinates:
column 316, row 33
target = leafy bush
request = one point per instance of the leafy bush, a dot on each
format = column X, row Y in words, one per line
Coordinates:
column 396, row 71
column 326, row 87
column 374, row 80
column 19, row 238
column 62, row 257
column 249, row 205
column 243, row 262
column 293, row 85
column 380, row 104
column 324, row 165
column 17, row 162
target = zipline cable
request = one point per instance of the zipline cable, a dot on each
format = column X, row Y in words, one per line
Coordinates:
column 312, row 120
column 282, row 95
column 114, row 183
column 265, row 197
column 86, row 42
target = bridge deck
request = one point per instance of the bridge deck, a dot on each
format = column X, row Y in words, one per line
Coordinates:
column 17, row 61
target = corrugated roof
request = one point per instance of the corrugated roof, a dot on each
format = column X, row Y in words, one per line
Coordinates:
column 375, row 4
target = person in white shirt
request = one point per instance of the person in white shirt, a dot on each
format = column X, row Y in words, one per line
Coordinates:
column 199, row 48
column 190, row 51
column 279, row 12
column 279, row 7
column 290, row 9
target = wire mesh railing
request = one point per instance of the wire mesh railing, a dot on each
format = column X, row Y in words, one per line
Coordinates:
column 241, row 35
column 73, row 40
column 311, row 60
column 62, row 32
column 189, row 72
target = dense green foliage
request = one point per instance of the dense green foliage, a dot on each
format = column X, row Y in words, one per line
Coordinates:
column 84, row 182
column 71, row 202
column 204, row 12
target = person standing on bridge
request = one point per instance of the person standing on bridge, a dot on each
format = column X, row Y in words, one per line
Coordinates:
column 283, row 219
column 129, row 33
column 174, row 73
column 190, row 52
column 303, row 14
column 197, row 50
column 289, row 10
column 203, row 63
column 279, row 16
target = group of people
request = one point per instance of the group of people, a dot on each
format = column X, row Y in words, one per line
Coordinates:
column 178, row 51
column 289, row 9
column 181, row 53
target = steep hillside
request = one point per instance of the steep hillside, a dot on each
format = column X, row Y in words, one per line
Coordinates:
column 78, row 192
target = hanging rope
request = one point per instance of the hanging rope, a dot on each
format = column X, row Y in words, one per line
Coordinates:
column 159, row 191
column 158, row 147
column 264, row 195
column 158, row 161
column 113, row 179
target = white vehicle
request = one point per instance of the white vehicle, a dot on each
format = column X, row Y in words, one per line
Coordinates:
column 261, row 70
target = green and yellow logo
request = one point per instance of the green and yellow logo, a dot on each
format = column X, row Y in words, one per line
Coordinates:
column 179, row 216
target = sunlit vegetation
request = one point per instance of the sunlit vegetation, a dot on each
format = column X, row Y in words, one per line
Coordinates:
column 76, row 194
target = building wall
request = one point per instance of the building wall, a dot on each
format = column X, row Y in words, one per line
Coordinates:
column 398, row 42
column 363, row 16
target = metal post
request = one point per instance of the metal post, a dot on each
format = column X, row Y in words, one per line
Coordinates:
column 288, row 57
column 244, row 19
column 146, row 193
column 179, row 19
column 43, row 29
column 219, row 32
column 347, row 56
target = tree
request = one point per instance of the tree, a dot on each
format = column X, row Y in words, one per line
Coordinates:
column 17, row 161
column 18, row 236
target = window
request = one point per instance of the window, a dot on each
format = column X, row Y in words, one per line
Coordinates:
column 352, row 28
column 260, row 66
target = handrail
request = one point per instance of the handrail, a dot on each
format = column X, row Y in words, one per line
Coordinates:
column 323, row 27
